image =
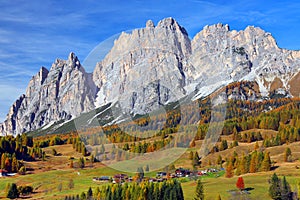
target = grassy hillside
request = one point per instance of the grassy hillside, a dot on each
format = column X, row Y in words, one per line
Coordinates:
column 248, row 125
column 45, row 176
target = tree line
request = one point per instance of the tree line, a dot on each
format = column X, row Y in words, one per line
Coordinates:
column 12, row 191
column 253, row 162
column 15, row 149
column 280, row 189
column 166, row 190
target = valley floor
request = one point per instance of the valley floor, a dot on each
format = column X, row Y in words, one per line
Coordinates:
column 45, row 176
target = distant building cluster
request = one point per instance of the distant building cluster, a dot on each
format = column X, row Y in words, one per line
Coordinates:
column 160, row 176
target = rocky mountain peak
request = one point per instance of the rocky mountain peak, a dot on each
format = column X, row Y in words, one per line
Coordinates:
column 167, row 22
column 73, row 61
column 72, row 57
column 254, row 30
column 150, row 24
column 61, row 93
column 44, row 70
column 216, row 28
column 156, row 51
column 152, row 66
column 171, row 24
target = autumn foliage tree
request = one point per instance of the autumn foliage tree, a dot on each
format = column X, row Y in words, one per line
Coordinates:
column 287, row 154
column 229, row 170
column 253, row 163
column 193, row 143
column 240, row 183
column 71, row 164
column 266, row 163
column 250, row 163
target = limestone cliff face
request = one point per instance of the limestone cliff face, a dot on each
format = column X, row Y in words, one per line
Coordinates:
column 58, row 94
column 155, row 65
column 145, row 68
column 221, row 56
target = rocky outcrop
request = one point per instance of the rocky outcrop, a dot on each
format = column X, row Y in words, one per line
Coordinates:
column 155, row 65
column 223, row 56
column 158, row 64
column 59, row 94
column 145, row 69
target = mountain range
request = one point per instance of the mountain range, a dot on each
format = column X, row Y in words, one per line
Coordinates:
column 154, row 66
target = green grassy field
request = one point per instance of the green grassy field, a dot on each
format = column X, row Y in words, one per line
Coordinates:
column 216, row 186
column 46, row 183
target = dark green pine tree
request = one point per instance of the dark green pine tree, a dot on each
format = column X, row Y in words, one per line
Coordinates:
column 248, row 161
column 219, row 160
column 275, row 189
column 196, row 159
column 162, row 188
column 81, row 162
column 147, row 168
column 144, row 192
column 224, row 145
column 82, row 196
column 150, row 191
column 89, row 194
column 117, row 192
column 287, row 154
column 286, row 193
column 13, row 192
column 124, row 189
column 179, row 192
column 199, row 193
column 260, row 157
column 167, row 191
column 173, row 193
column 140, row 174
column 108, row 193
column 156, row 192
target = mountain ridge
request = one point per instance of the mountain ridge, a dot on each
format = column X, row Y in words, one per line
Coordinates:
column 175, row 66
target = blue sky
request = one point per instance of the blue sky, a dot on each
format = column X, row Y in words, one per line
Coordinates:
column 35, row 33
